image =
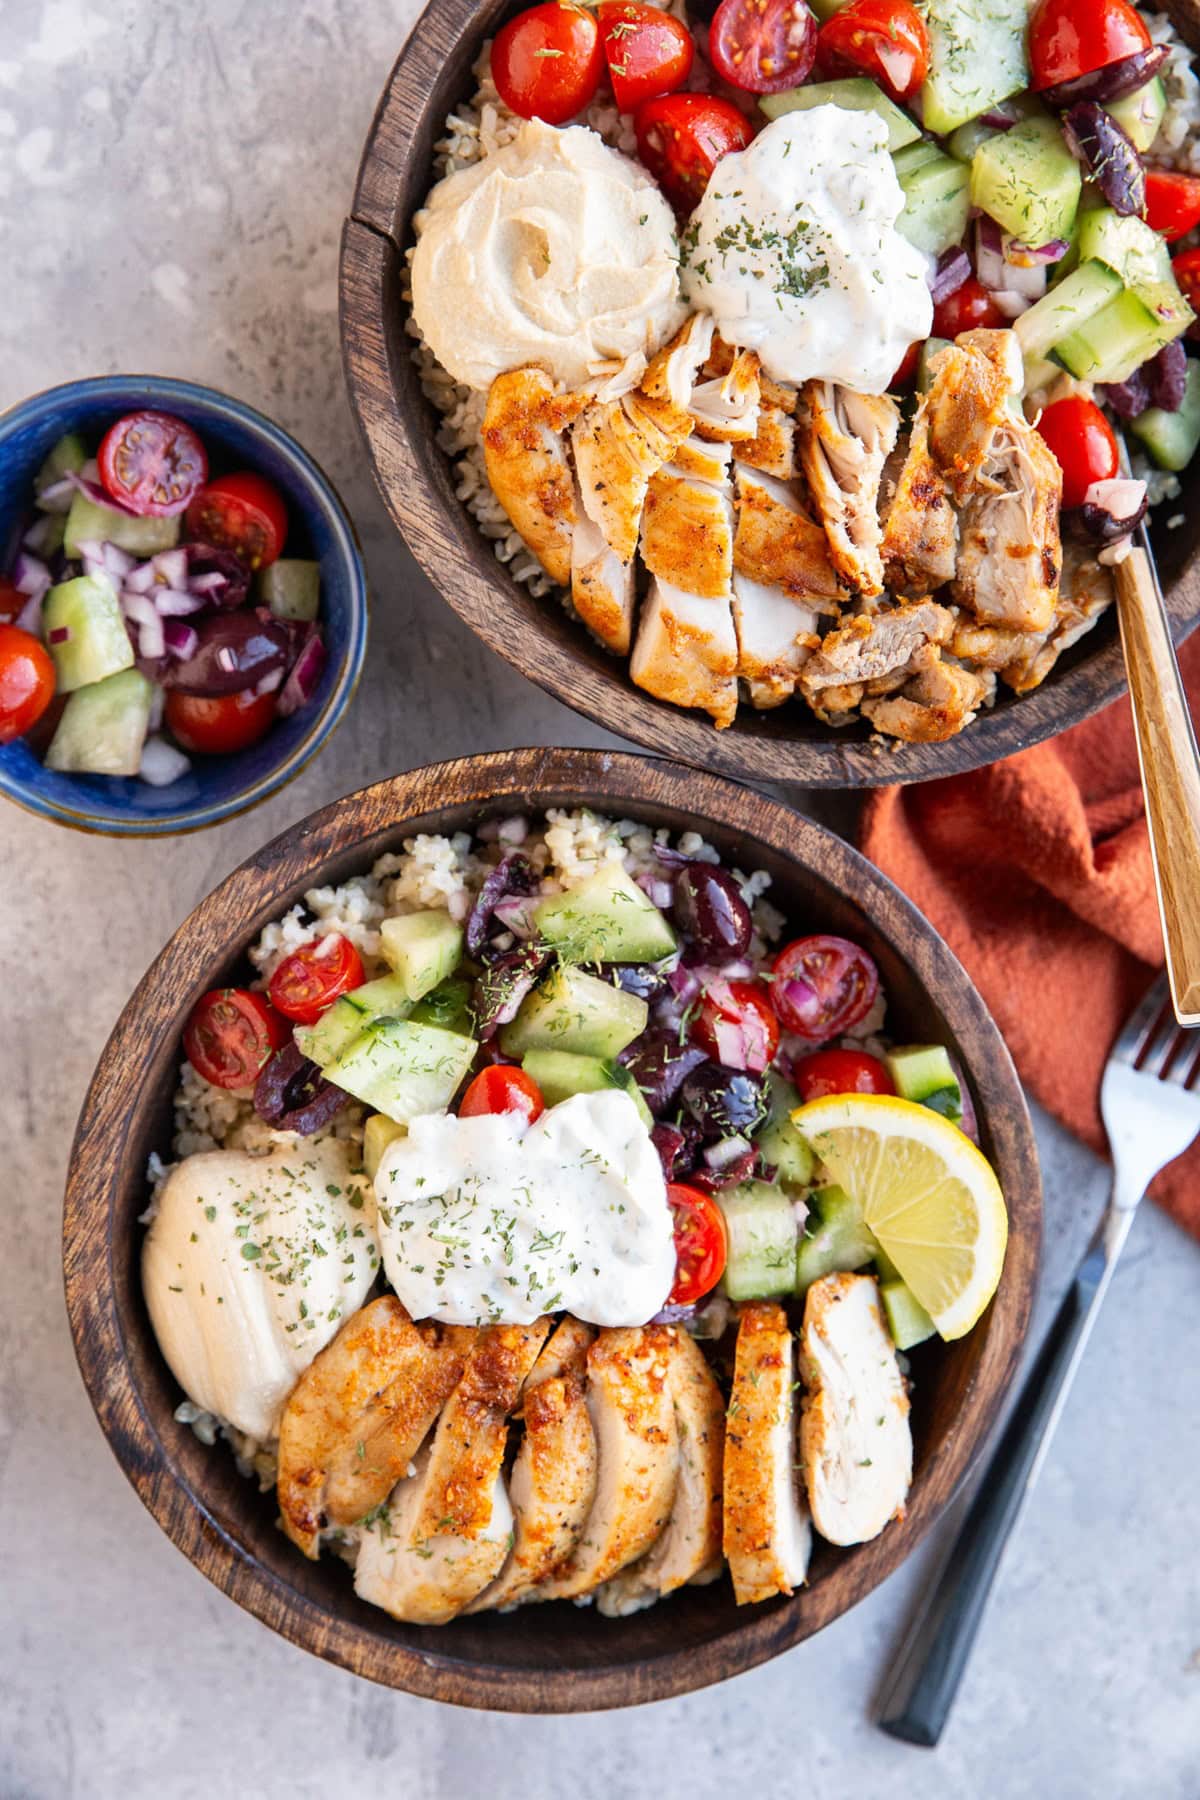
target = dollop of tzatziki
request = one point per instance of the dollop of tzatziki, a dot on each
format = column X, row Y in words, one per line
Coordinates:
column 794, row 251
column 489, row 1220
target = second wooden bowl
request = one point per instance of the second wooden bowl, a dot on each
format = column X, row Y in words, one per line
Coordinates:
column 544, row 1659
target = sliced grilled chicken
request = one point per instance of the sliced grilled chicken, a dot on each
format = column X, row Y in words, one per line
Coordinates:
column 468, row 1446
column 553, row 1481
column 674, row 372
column 1010, row 553
column 618, row 446
column 358, row 1415
column 936, row 700
column 973, row 382
column 721, row 358
column 427, row 1578
column 920, row 529
column 775, row 637
column 526, row 457
column 768, row 1537
column 686, row 651
column 687, row 534
column 844, row 441
column 873, row 645
column 855, row 1439
column 1085, row 595
column 703, row 461
column 778, row 545
column 725, row 407
column 773, row 447
column 633, row 1415
column 603, row 588
column 689, row 1549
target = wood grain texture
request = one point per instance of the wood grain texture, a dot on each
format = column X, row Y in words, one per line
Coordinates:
column 559, row 1658
column 1170, row 774
column 431, row 75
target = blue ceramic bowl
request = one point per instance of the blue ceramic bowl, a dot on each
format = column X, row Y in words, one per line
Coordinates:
column 235, row 436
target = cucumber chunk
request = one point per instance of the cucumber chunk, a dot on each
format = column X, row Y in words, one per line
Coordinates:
column 760, row 1221
column 607, row 918
column 448, row 1005
column 1141, row 113
column 402, row 1069
column 779, row 1141
column 907, row 1319
column 378, row 1133
column 576, row 1012
column 291, row 588
column 1142, row 259
column 423, row 948
column 335, row 1029
column 97, row 643
column 103, row 727
column 838, row 1239
column 1172, row 438
column 929, row 349
column 89, row 522
column 1113, row 343
column 924, row 1073
column 1028, row 181
column 976, row 58
column 561, row 1073
column 936, row 204
column 1064, row 308
column 66, row 458
column 966, row 140
column 913, row 157
column 857, row 94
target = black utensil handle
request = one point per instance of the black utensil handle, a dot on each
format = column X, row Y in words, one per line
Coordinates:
column 925, row 1677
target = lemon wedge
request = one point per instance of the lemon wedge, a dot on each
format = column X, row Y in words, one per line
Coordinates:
column 926, row 1193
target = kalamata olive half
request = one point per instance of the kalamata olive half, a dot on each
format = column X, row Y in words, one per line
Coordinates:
column 235, row 651
column 645, row 980
column 725, row 1102
column 1094, row 136
column 1112, row 81
column 709, row 909
column 660, row 1065
column 292, row 1094
column 503, row 984
column 210, row 561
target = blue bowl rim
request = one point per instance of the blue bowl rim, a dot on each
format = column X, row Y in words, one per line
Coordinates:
column 167, row 388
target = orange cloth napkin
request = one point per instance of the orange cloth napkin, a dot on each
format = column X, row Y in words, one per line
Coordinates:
column 1037, row 873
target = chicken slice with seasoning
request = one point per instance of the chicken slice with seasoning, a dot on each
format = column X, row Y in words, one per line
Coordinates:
column 779, row 545
column 773, row 447
column 855, row 1439
column 675, row 370
column 633, row 1416
column 973, row 391
column 1085, row 595
column 553, row 1481
column 359, row 1414
column 687, row 533
column 776, row 632
column 936, row 701
column 686, row 652
column 767, row 1534
column 1010, row 552
column 873, row 645
column 526, row 457
column 920, row 527
column 725, row 406
column 603, row 588
column 845, row 439
column 619, row 445
column 689, row 1549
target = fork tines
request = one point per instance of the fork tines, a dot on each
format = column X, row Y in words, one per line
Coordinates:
column 1155, row 1044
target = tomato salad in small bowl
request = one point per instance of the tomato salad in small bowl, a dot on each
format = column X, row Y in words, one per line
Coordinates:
column 182, row 605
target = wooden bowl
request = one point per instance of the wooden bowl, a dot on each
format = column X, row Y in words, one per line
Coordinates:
column 556, row 1658
column 431, row 76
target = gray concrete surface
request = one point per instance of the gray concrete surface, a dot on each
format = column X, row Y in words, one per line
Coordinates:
column 172, row 182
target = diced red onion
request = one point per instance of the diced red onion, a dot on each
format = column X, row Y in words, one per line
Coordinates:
column 151, row 639
column 1120, row 495
column 684, row 984
column 1010, row 303
column 60, row 634
column 171, row 569
column 89, row 486
column 989, row 254
column 37, row 538
column 158, row 706
column 90, row 470
column 162, row 763
column 30, row 616
column 208, row 583
column 272, row 680
column 140, row 579
column 658, row 889
column 226, row 659
column 301, row 684
column 58, row 495
column 30, row 575
column 173, row 605
column 953, row 268
column 738, row 968
column 1032, row 255
column 515, row 913
column 139, row 608
column 720, row 1155
column 180, row 639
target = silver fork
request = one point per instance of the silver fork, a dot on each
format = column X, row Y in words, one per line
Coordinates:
column 1150, row 1102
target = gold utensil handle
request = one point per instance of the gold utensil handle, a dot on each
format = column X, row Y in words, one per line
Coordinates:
column 1170, row 773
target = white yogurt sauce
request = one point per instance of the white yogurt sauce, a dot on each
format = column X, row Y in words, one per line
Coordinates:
column 794, row 251
column 488, row 1220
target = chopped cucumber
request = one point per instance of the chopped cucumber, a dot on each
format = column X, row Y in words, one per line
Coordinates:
column 291, row 588
column 97, row 643
column 936, row 204
column 378, row 1133
column 779, row 1141
column 89, row 522
column 103, row 727
column 929, row 349
column 913, row 157
column 1028, row 181
column 967, row 139
column 576, row 1012
column 760, row 1221
column 1067, row 306
column 341, row 1024
column 402, row 1069
column 560, row 1074
column 1142, row 258
column 1141, row 113
column 423, row 948
column 448, row 1005
column 1172, row 438
column 607, row 918
column 907, row 1319
column 924, row 1073
column 1113, row 343
column 66, row 458
column 857, row 94
column 838, row 1239
column 976, row 58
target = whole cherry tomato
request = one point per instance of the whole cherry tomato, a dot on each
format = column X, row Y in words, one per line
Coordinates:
column 1069, row 38
column 242, row 513
column 968, row 308
column 763, row 46
column 547, row 62
column 152, row 464
column 1172, row 202
column 1083, row 444
column 906, row 374
column 503, row 1088
column 701, row 1243
column 885, row 39
column 218, row 724
column 1186, row 267
column 26, row 681
column 648, row 52
column 823, row 986
column 231, row 1036
column 840, row 1072
column 682, row 137
column 307, row 982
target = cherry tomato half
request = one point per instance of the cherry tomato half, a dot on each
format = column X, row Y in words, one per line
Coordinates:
column 547, row 62
column 823, row 986
column 1067, row 38
column 736, row 1025
column 232, row 1035
column 152, row 464
column 682, row 137
column 701, row 1243
column 906, row 374
column 647, row 51
column 840, row 1072
column 763, row 46
column 218, row 724
column 26, row 681
column 1083, row 444
column 885, row 39
column 242, row 513
column 502, row 1088
column 1186, row 267
column 1172, row 202
column 12, row 601
column 968, row 308
column 307, row 982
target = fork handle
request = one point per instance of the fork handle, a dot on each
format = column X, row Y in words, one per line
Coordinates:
column 1170, row 773
column 925, row 1676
